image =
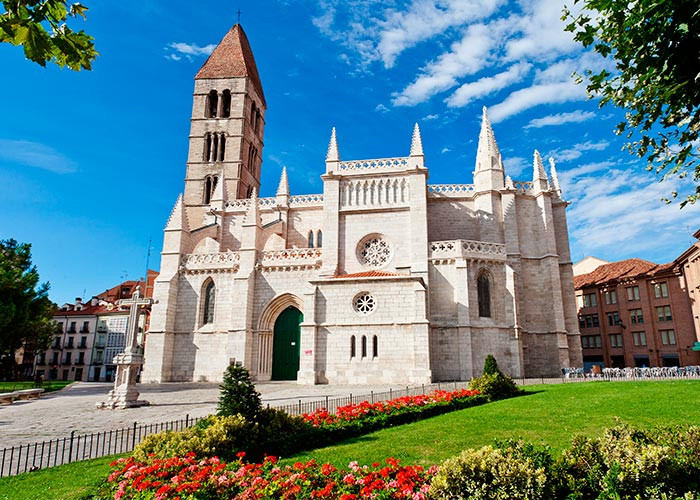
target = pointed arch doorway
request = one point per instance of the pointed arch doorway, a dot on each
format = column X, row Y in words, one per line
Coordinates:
column 286, row 345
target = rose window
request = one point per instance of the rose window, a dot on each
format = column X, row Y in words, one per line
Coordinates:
column 364, row 303
column 375, row 252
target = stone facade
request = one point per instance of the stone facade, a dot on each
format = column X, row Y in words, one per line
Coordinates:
column 398, row 281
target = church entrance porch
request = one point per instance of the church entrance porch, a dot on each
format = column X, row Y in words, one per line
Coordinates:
column 286, row 345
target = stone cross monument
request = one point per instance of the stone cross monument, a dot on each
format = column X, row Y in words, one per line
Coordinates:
column 124, row 394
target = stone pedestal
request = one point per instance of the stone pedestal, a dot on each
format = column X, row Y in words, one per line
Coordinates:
column 124, row 394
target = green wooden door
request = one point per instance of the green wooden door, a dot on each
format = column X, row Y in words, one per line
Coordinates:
column 285, row 344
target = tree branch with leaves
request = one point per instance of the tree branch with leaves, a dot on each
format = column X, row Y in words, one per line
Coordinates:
column 655, row 45
column 40, row 27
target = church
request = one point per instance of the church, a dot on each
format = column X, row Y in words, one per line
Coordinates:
column 381, row 278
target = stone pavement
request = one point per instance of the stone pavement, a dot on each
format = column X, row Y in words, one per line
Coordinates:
column 56, row 414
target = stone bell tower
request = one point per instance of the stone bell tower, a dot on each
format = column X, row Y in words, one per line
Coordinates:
column 226, row 134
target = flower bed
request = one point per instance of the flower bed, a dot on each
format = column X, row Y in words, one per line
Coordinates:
column 211, row 478
column 407, row 404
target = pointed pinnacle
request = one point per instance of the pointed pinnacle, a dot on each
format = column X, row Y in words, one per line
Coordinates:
column 487, row 154
column 252, row 215
column 553, row 175
column 218, row 194
column 416, row 142
column 176, row 219
column 538, row 173
column 283, row 187
column 333, row 154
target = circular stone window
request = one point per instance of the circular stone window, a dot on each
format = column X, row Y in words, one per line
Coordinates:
column 374, row 251
column 364, row 303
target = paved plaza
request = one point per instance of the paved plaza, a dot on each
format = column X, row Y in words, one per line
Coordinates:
column 56, row 414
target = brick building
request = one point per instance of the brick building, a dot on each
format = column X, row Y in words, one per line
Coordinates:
column 635, row 313
column 688, row 263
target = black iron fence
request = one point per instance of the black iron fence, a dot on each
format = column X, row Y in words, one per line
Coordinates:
column 76, row 447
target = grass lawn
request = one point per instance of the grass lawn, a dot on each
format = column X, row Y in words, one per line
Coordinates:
column 549, row 414
column 53, row 385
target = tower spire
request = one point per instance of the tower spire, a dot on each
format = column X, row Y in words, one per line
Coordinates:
column 333, row 154
column 177, row 220
column 416, row 142
column 539, row 176
column 555, row 178
column 252, row 215
column 283, row 187
column 488, row 172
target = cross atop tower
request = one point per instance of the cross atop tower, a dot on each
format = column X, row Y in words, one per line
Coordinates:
column 238, row 14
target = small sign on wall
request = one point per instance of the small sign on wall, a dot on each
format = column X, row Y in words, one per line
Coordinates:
column 308, row 352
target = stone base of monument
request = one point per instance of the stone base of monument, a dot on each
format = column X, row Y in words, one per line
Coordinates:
column 124, row 394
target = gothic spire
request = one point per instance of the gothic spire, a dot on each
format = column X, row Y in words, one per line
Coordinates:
column 283, row 187
column 553, row 175
column 488, row 155
column 539, row 176
column 252, row 215
column 333, row 154
column 416, row 142
column 177, row 220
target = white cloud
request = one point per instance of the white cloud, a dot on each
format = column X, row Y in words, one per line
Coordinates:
column 577, row 150
column 188, row 50
column 37, row 155
column 529, row 97
column 577, row 116
column 568, row 177
column 445, row 150
column 466, row 56
column 381, row 108
column 483, row 87
column 516, row 165
column 430, row 117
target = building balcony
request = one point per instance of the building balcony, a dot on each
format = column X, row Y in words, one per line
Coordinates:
column 71, row 330
column 84, row 330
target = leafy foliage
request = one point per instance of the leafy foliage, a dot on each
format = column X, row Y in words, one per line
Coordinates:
column 238, row 394
column 490, row 365
column 656, row 48
column 25, row 23
column 26, row 313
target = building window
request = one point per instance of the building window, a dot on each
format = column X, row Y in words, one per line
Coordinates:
column 483, row 289
column 212, row 104
column 364, row 303
column 632, row 293
column 70, row 343
column 668, row 337
column 83, row 343
column 660, row 290
column 364, row 346
column 311, row 239
column 54, row 358
column 375, row 346
column 640, row 338
column 319, row 239
column 664, row 313
column 81, row 358
column 222, row 147
column 613, row 318
column 68, row 358
column 56, row 343
column 71, row 329
column 352, row 347
column 588, row 321
column 616, row 340
column 209, row 300
column 374, row 251
column 590, row 300
column 611, row 297
column 86, row 327
column 636, row 316
column 226, row 103
column 591, row 341
column 210, row 182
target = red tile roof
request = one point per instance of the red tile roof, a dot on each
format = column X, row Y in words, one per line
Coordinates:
column 369, row 274
column 232, row 58
column 624, row 269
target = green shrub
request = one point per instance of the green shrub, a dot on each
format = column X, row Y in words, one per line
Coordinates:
column 213, row 436
column 490, row 366
column 238, row 394
column 495, row 386
column 491, row 473
column 626, row 464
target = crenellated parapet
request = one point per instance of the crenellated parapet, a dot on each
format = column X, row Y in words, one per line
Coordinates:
column 291, row 259
column 467, row 249
column 210, row 262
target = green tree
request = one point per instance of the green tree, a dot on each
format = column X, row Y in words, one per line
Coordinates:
column 655, row 45
column 39, row 26
column 238, row 394
column 490, row 366
column 26, row 313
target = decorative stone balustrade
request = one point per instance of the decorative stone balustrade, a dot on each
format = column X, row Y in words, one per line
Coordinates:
column 450, row 190
column 203, row 262
column 374, row 193
column 241, row 205
column 361, row 166
column 291, row 259
column 467, row 249
column 306, row 200
column 523, row 187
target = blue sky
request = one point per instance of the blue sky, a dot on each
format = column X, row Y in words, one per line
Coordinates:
column 92, row 162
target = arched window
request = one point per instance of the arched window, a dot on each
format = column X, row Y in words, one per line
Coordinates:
column 311, row 239
column 319, row 239
column 226, row 103
column 364, row 346
column 207, row 190
column 375, row 346
column 212, row 103
column 483, row 289
column 253, row 116
column 209, row 300
column 222, row 147
column 207, row 147
column 214, row 147
column 352, row 347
